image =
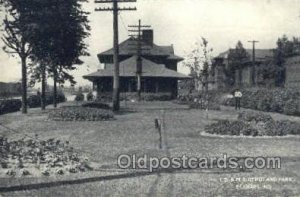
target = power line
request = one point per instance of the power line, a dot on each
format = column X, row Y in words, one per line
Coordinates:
column 138, row 28
column 253, row 74
column 116, row 78
column 123, row 23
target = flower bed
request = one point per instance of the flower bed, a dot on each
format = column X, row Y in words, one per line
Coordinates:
column 79, row 113
column 9, row 105
column 254, row 124
column 286, row 101
column 97, row 105
column 34, row 157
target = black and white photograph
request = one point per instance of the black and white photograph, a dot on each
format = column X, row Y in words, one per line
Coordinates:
column 151, row 98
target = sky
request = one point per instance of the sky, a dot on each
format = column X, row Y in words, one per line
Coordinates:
column 182, row 23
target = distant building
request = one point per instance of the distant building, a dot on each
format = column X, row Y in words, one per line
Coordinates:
column 263, row 57
column 243, row 77
column 159, row 68
column 292, row 72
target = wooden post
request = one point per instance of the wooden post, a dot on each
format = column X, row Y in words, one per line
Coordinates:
column 156, row 86
column 139, row 61
column 116, row 82
column 163, row 128
column 253, row 74
column 158, row 128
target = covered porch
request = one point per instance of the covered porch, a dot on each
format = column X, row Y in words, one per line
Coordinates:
column 129, row 84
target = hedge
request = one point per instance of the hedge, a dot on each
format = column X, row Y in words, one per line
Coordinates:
column 35, row 100
column 79, row 113
column 103, row 97
column 10, row 105
column 254, row 124
column 79, row 97
column 281, row 100
column 97, row 105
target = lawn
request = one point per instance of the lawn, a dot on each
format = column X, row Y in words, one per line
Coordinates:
column 133, row 131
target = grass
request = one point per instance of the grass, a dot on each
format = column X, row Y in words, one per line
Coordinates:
column 133, row 132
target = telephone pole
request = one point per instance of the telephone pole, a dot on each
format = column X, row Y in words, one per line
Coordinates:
column 139, row 64
column 253, row 73
column 116, row 79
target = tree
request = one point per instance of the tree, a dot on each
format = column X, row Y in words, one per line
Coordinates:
column 236, row 58
column 285, row 48
column 58, row 41
column 17, row 28
column 199, row 63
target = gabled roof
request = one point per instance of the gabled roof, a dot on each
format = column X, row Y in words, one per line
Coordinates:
column 128, row 48
column 128, row 69
column 259, row 53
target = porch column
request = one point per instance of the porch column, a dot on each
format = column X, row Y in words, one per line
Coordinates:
column 129, row 85
column 156, row 86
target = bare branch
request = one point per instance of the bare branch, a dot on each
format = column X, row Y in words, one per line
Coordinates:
column 9, row 44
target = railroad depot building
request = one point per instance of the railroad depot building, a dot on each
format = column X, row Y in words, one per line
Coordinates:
column 159, row 68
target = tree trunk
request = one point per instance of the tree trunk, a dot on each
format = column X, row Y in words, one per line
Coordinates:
column 43, row 93
column 24, row 85
column 54, row 87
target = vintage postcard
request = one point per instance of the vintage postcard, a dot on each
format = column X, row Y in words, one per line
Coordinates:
column 150, row 98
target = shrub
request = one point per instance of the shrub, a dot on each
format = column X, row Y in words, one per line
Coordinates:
column 97, row 105
column 264, row 104
column 79, row 97
column 291, row 107
column 57, row 155
column 281, row 100
column 80, row 114
column 90, row 96
column 35, row 100
column 254, row 124
column 254, row 116
column 199, row 100
column 286, row 127
column 104, row 97
column 10, row 105
column 156, row 96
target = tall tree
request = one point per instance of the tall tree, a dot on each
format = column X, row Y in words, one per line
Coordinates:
column 236, row 58
column 285, row 48
column 17, row 27
column 59, row 39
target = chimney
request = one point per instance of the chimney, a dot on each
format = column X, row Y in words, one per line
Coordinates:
column 147, row 36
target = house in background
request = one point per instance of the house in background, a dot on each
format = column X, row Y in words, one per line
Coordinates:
column 159, row 68
column 292, row 72
column 264, row 61
column 244, row 76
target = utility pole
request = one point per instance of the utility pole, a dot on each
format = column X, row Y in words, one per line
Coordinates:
column 116, row 79
column 139, row 63
column 253, row 73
